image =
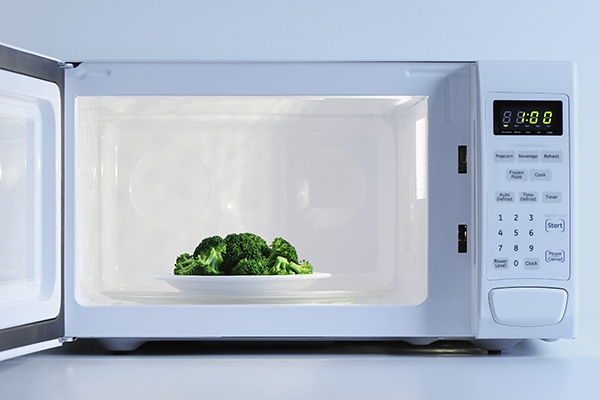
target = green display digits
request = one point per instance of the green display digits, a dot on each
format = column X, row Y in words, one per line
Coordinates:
column 528, row 117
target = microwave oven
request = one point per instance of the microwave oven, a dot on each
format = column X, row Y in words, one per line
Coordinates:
column 439, row 197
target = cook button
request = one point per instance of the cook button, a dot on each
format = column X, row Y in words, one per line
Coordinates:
column 555, row 256
column 540, row 174
column 555, row 225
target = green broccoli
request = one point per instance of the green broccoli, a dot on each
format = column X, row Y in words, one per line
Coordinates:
column 241, row 246
column 284, row 267
column 185, row 265
column 303, row 268
column 189, row 265
column 250, row 267
column 212, row 242
column 208, row 265
column 281, row 248
column 242, row 254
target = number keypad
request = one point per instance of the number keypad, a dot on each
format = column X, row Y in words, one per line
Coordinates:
column 516, row 244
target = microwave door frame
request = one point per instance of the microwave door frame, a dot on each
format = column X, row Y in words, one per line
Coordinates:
column 37, row 330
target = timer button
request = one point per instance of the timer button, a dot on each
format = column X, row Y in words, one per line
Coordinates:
column 552, row 197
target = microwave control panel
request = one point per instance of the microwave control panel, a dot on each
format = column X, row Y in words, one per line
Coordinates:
column 526, row 188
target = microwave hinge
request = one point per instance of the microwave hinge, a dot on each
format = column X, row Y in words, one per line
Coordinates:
column 66, row 65
column 67, row 339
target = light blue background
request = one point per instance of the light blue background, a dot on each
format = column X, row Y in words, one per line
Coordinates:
column 77, row 30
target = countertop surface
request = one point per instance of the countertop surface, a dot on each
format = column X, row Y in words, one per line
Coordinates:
column 567, row 369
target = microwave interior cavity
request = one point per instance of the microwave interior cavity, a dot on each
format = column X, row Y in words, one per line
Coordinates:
column 343, row 178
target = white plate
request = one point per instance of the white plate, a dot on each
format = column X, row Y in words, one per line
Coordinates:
column 235, row 284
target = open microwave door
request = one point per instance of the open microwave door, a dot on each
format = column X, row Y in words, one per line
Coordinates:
column 31, row 299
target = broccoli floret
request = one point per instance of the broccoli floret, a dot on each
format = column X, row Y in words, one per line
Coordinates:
column 303, row 268
column 279, row 267
column 184, row 265
column 208, row 265
column 281, row 248
column 189, row 265
column 284, row 267
column 250, row 267
column 241, row 246
column 213, row 242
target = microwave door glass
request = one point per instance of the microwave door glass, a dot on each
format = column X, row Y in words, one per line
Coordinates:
column 343, row 178
column 30, row 287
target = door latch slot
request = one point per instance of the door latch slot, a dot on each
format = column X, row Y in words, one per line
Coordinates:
column 462, row 159
column 462, row 238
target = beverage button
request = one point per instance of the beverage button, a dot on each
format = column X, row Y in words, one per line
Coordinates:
column 532, row 263
column 555, row 256
column 516, row 175
column 504, row 156
column 552, row 156
column 540, row 174
column 555, row 225
column 552, row 197
column 500, row 263
column 528, row 156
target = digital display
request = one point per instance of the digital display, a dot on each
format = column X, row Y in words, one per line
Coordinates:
column 528, row 117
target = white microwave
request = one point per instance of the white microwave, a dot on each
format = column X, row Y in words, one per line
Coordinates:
column 438, row 199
